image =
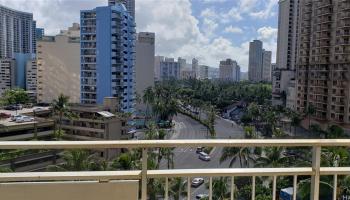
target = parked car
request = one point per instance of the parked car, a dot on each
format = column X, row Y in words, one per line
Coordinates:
column 196, row 182
column 28, row 105
column 23, row 118
column 10, row 107
column 38, row 109
column 14, row 117
column 199, row 149
column 201, row 196
column 4, row 115
column 204, row 156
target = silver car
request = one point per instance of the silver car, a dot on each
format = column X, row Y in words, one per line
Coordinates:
column 204, row 156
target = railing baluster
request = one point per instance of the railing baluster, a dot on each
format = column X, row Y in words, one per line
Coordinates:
column 335, row 185
column 295, row 180
column 315, row 179
column 274, row 187
column 166, row 188
column 232, row 188
column 188, row 188
column 253, row 188
column 144, row 175
column 210, row 188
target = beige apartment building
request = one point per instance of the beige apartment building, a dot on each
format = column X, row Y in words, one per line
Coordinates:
column 144, row 73
column 324, row 59
column 98, row 122
column 58, row 60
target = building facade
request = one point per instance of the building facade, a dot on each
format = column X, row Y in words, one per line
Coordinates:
column 213, row 73
column 32, row 79
column 59, row 67
column 203, row 72
column 195, row 67
column 7, row 74
column 266, row 66
column 145, row 51
column 17, row 33
column 39, row 33
column 288, row 33
column 107, row 56
column 229, row 70
column 157, row 60
column 255, row 60
column 129, row 4
column 170, row 69
column 323, row 60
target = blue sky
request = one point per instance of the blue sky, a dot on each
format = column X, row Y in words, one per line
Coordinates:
column 210, row 30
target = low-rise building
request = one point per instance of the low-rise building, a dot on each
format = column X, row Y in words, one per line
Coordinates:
column 98, row 122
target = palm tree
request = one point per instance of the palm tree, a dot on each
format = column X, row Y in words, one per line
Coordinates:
column 295, row 121
column 60, row 108
column 148, row 99
column 243, row 154
column 75, row 160
column 309, row 111
column 177, row 188
column 168, row 155
column 272, row 157
column 127, row 161
column 221, row 189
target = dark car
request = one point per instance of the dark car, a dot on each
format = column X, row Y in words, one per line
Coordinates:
column 10, row 107
column 199, row 149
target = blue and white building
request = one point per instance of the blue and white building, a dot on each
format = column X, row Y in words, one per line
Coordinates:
column 107, row 55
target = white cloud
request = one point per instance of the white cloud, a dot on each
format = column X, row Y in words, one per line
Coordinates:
column 178, row 32
column 266, row 12
column 257, row 9
column 53, row 15
column 232, row 29
column 267, row 33
column 182, row 36
column 269, row 36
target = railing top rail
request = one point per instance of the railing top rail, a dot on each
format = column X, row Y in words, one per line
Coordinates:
column 172, row 143
column 136, row 174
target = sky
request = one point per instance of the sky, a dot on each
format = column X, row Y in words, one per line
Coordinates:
column 209, row 30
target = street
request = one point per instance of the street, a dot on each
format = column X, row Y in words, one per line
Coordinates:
column 187, row 158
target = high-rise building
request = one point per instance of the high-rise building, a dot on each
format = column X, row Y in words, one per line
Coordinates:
column 259, row 67
column 144, row 73
column 39, row 33
column 323, row 60
column 7, row 74
column 255, row 60
column 107, row 56
column 169, row 69
column 31, row 79
column 266, row 66
column 157, row 60
column 195, row 67
column 58, row 61
column 287, row 40
column 213, row 73
column 129, row 4
column 17, row 32
column 229, row 70
column 203, row 72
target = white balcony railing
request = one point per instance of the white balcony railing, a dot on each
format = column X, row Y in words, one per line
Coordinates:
column 315, row 171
